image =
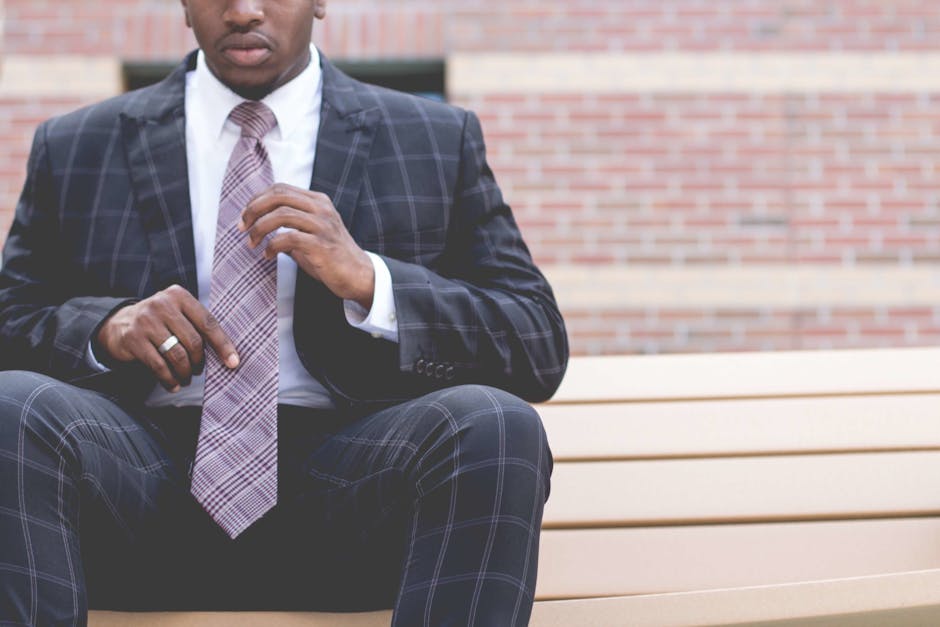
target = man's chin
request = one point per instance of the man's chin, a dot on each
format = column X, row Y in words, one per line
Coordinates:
column 250, row 90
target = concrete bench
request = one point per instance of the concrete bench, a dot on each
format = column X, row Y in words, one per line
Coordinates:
column 727, row 489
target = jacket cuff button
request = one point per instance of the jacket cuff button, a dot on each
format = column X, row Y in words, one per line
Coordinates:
column 450, row 373
column 420, row 366
column 439, row 371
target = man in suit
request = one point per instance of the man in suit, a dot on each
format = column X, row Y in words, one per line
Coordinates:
column 265, row 330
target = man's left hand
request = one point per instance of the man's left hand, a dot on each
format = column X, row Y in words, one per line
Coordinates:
column 318, row 240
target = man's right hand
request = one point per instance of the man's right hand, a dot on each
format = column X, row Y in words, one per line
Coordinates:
column 135, row 332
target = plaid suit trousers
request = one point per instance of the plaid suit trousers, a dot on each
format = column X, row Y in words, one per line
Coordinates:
column 432, row 506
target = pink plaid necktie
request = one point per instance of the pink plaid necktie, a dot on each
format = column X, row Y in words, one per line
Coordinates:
column 235, row 470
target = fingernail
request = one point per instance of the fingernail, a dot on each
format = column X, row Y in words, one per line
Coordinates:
column 241, row 225
column 175, row 390
column 232, row 361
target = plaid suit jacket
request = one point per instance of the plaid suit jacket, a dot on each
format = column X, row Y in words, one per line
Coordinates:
column 104, row 219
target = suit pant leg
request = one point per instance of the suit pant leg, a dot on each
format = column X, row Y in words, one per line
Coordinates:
column 70, row 458
column 441, row 498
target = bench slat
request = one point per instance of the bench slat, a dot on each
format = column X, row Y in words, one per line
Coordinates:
column 744, row 489
column 608, row 562
column 736, row 427
column 748, row 375
column 897, row 599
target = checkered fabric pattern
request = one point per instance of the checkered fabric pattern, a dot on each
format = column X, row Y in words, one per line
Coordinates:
column 432, row 507
column 235, row 474
column 68, row 455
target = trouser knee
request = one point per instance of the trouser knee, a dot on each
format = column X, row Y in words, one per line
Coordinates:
column 499, row 432
column 29, row 404
column 42, row 418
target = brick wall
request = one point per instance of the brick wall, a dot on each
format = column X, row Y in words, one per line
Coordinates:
column 698, row 25
column 634, row 178
column 691, row 179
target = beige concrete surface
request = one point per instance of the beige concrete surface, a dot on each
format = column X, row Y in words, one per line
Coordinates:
column 752, row 286
column 699, row 72
column 60, row 76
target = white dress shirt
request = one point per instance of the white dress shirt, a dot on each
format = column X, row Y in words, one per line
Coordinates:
column 291, row 146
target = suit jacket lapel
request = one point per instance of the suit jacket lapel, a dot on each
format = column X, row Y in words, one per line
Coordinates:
column 154, row 133
column 344, row 142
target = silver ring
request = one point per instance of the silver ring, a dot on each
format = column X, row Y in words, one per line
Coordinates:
column 170, row 342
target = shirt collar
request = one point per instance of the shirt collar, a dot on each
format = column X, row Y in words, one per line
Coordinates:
column 291, row 102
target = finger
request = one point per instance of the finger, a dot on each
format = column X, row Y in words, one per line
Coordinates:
column 186, row 358
column 288, row 243
column 283, row 216
column 267, row 201
column 178, row 360
column 147, row 354
column 174, row 300
column 211, row 331
column 143, row 336
column 278, row 195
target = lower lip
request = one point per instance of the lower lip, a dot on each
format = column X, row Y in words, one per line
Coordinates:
column 246, row 56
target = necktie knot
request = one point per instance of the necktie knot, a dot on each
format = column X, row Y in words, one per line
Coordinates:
column 255, row 118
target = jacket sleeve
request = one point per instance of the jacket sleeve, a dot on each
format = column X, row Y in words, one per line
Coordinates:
column 44, row 326
column 487, row 315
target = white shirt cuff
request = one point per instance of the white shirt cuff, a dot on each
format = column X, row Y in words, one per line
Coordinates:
column 92, row 361
column 380, row 321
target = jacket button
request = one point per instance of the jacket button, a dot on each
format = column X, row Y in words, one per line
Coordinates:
column 440, row 370
column 419, row 366
column 429, row 368
column 450, row 373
